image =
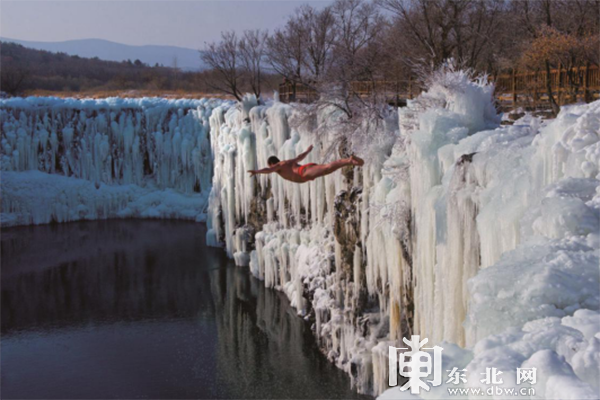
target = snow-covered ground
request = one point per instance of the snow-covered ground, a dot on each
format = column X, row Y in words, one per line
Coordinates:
column 484, row 238
column 68, row 159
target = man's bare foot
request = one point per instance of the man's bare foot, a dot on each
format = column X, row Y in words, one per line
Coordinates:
column 356, row 160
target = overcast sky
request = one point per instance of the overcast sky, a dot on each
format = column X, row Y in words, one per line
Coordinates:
column 138, row 22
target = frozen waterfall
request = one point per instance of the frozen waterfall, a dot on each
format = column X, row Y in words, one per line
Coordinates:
column 431, row 240
column 68, row 159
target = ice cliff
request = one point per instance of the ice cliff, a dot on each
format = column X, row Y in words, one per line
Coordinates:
column 68, row 159
column 482, row 237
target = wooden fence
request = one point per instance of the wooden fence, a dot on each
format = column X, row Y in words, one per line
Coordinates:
column 528, row 89
column 298, row 93
column 525, row 89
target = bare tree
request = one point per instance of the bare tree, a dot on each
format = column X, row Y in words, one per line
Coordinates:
column 252, row 48
column 440, row 29
column 359, row 26
column 358, row 52
column 320, row 36
column 223, row 58
column 286, row 52
column 301, row 52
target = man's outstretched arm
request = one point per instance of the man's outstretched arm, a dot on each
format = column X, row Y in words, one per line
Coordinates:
column 268, row 170
column 302, row 156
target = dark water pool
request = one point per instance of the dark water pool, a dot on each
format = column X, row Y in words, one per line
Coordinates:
column 143, row 309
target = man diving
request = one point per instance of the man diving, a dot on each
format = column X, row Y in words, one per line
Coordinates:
column 292, row 171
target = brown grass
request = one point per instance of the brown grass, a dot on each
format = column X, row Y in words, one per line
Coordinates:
column 101, row 94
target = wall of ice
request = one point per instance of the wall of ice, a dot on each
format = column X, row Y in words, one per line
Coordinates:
column 69, row 159
column 463, row 231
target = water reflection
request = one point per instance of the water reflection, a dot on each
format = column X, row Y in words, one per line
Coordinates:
column 129, row 309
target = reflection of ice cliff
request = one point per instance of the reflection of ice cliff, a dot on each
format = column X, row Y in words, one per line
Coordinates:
column 149, row 277
column 462, row 231
column 242, row 304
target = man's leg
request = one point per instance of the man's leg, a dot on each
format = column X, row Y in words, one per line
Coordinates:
column 315, row 171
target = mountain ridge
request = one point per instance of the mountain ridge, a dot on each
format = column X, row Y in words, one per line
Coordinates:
column 166, row 55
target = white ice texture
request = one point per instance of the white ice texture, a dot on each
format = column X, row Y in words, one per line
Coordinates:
column 503, row 230
column 69, row 159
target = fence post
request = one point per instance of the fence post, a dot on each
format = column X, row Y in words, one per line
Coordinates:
column 535, row 90
column 514, row 89
column 283, row 92
column 560, row 85
column 586, row 77
column 410, row 92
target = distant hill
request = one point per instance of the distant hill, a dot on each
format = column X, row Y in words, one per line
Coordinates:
column 187, row 59
column 25, row 69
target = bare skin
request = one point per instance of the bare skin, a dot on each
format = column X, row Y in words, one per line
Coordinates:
column 292, row 171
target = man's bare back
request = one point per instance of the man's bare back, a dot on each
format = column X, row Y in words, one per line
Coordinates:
column 292, row 171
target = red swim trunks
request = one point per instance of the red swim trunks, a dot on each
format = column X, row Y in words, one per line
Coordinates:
column 303, row 167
